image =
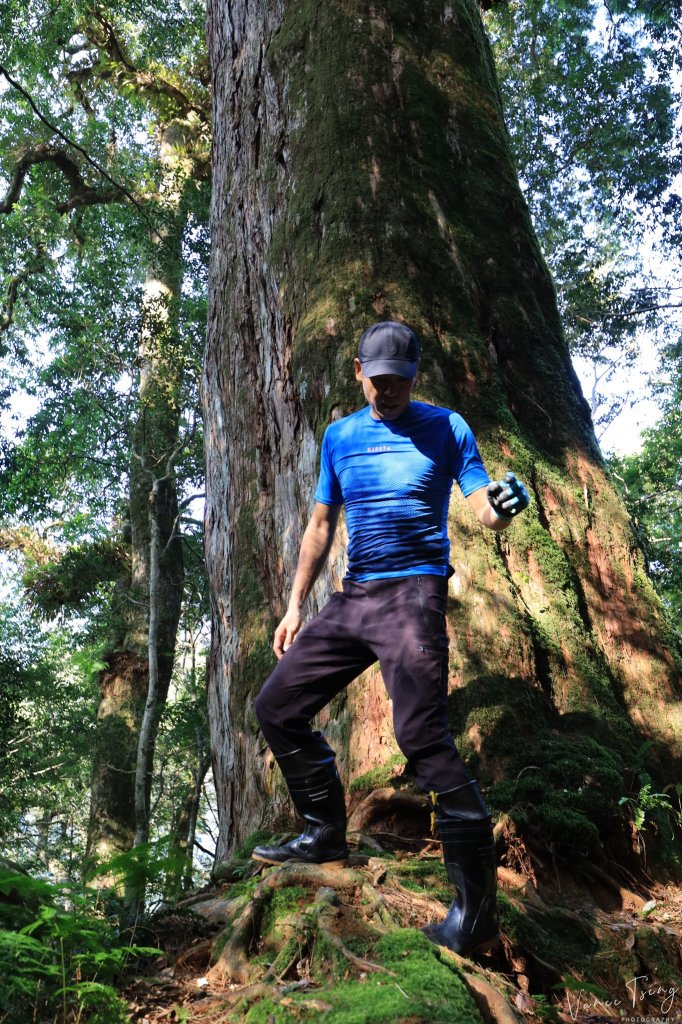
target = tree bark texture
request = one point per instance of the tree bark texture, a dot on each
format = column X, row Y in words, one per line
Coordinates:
column 362, row 172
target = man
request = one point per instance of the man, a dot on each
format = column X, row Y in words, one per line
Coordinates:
column 391, row 465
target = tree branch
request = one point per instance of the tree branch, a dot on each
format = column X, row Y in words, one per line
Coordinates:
column 10, row 300
column 641, row 309
column 600, row 318
column 197, row 844
column 82, row 194
column 74, row 145
column 143, row 81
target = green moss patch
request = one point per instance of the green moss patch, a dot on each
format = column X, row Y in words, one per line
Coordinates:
column 283, row 903
column 551, row 935
column 426, row 989
column 388, row 774
column 426, row 876
column 567, row 790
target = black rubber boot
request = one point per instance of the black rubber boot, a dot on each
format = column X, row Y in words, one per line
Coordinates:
column 465, row 828
column 317, row 793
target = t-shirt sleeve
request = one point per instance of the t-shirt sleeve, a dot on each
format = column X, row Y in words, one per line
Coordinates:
column 467, row 466
column 328, row 490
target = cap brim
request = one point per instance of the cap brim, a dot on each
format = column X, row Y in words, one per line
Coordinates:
column 394, row 367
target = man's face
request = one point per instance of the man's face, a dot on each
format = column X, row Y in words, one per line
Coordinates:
column 388, row 395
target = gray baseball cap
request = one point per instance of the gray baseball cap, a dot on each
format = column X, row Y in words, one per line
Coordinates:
column 389, row 347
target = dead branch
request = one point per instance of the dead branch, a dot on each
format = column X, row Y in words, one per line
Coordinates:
column 522, row 884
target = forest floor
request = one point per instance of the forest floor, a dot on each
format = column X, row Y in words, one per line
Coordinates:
column 282, row 945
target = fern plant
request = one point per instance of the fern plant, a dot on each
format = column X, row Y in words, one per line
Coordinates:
column 59, row 956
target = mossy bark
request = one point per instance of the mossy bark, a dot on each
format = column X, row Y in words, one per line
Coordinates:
column 362, row 171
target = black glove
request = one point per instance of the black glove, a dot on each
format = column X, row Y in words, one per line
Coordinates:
column 508, row 497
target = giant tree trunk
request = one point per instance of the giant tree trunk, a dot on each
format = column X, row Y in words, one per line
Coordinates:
column 362, row 172
column 124, row 683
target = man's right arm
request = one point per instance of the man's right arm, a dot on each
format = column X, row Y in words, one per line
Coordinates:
column 315, row 545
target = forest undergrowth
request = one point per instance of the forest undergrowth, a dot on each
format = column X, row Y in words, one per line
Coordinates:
column 580, row 942
column 583, row 939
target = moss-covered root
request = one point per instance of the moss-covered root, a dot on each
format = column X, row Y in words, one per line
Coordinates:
column 416, row 985
column 494, row 1007
column 234, row 944
column 239, row 937
column 336, row 931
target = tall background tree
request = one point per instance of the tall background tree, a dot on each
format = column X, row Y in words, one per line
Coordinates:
column 105, row 157
column 591, row 101
column 561, row 664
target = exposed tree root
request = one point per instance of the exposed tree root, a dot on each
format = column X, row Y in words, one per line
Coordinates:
column 391, row 812
column 312, row 874
column 411, row 901
column 357, row 961
column 492, row 1005
column 299, row 951
column 629, row 900
column 377, row 910
column 233, row 961
column 324, row 903
column 521, row 884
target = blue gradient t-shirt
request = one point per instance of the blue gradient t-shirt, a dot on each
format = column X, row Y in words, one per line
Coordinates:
column 394, row 478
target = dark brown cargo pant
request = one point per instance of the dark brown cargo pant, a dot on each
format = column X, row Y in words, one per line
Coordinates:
column 399, row 622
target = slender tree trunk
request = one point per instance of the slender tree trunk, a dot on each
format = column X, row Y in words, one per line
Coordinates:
column 134, row 686
column 153, row 706
column 362, row 171
column 184, row 826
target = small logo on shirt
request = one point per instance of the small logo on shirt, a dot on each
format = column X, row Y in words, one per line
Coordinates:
column 380, row 448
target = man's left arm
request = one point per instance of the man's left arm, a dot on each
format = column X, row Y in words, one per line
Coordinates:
column 497, row 505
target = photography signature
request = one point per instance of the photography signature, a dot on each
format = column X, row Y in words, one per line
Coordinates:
column 639, row 988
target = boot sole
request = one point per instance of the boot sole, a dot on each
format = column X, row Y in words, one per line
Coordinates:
column 483, row 947
column 299, row 860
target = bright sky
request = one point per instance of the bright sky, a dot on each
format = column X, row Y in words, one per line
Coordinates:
column 622, row 436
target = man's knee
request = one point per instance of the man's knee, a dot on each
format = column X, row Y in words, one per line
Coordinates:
column 263, row 706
